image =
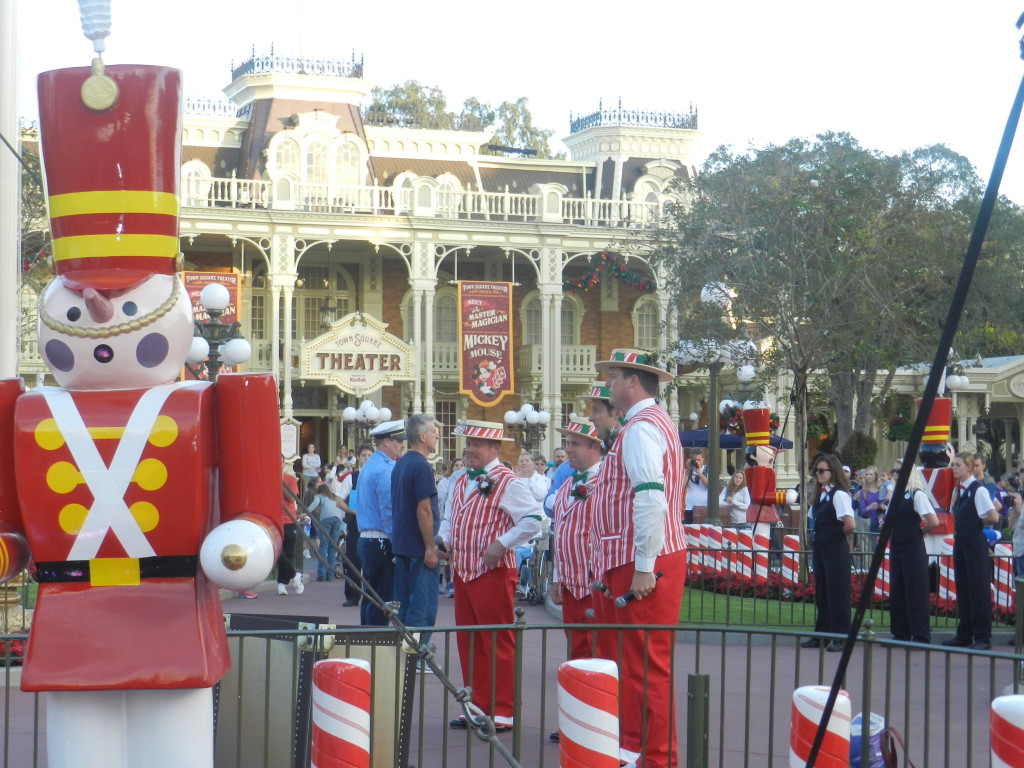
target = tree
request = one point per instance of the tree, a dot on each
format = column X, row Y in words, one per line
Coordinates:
column 414, row 105
column 843, row 257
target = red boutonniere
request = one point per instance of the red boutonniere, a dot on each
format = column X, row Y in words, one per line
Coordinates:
column 580, row 491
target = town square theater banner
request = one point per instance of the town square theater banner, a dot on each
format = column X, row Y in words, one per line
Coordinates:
column 485, row 341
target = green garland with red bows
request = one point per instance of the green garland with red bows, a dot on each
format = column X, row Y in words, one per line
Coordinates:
column 613, row 262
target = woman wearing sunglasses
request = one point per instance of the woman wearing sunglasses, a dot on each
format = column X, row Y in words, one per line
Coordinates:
column 833, row 522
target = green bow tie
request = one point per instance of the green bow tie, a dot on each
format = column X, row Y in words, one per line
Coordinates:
column 475, row 473
column 579, row 477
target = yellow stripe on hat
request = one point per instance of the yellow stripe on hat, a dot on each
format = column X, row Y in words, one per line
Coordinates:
column 757, row 434
column 119, row 201
column 99, row 246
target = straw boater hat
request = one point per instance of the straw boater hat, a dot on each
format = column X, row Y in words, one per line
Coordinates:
column 598, row 391
column 634, row 359
column 578, row 426
column 482, row 430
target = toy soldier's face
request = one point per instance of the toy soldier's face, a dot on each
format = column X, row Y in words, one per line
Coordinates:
column 128, row 339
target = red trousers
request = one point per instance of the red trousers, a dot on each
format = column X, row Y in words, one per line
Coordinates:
column 581, row 642
column 488, row 600
column 647, row 705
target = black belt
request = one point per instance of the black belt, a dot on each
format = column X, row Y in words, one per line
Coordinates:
column 169, row 566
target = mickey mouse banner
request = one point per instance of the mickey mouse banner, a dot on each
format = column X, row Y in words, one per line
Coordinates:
column 485, row 341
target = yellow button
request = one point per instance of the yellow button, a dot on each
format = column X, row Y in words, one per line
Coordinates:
column 145, row 515
column 164, row 432
column 48, row 436
column 151, row 474
column 72, row 518
column 63, row 477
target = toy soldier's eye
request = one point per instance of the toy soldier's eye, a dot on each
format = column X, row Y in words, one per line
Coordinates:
column 130, row 308
column 74, row 313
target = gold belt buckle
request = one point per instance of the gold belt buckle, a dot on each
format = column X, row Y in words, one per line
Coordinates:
column 114, row 572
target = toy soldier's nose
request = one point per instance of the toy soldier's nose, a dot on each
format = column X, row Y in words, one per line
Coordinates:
column 101, row 309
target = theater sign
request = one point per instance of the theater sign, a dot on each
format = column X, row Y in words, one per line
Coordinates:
column 357, row 356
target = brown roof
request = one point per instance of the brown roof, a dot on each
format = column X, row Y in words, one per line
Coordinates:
column 220, row 160
column 387, row 168
column 520, row 179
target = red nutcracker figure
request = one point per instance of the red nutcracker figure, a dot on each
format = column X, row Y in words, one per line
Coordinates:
column 762, row 513
column 935, row 457
column 137, row 495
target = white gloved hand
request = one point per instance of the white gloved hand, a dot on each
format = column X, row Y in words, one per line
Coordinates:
column 237, row 555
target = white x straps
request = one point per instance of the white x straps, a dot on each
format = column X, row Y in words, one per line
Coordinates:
column 108, row 485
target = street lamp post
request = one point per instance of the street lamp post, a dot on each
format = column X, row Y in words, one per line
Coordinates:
column 528, row 426
column 365, row 417
column 215, row 342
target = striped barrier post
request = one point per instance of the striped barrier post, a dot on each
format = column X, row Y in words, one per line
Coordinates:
column 730, row 542
column 341, row 714
column 790, row 560
column 761, row 546
column 882, row 588
column 744, row 559
column 808, row 704
column 715, row 542
column 947, row 584
column 588, row 714
column 705, row 543
column 1006, row 727
column 1002, row 580
column 693, row 554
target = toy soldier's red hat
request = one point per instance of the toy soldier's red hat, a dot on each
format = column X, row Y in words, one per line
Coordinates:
column 939, row 419
column 112, row 166
column 756, row 426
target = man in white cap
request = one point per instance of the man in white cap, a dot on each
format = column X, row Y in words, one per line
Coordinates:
column 489, row 512
column 637, row 511
column 374, row 518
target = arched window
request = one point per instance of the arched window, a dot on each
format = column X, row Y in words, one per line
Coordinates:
column 647, row 323
column 195, row 184
column 316, row 163
column 286, row 158
column 347, row 165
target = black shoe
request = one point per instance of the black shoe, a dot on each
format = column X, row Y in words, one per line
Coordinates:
column 553, row 736
column 834, row 646
column 812, row 642
column 350, row 603
column 981, row 646
column 458, row 722
column 956, row 642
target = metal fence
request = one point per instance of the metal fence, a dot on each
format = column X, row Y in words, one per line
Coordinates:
column 734, row 685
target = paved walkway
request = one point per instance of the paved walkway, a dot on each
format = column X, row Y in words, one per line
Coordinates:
column 751, row 679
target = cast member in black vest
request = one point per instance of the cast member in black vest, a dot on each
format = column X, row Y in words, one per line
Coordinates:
column 972, row 509
column 912, row 517
column 833, row 522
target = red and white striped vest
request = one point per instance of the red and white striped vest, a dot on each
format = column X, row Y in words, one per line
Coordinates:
column 612, row 505
column 476, row 521
column 573, row 546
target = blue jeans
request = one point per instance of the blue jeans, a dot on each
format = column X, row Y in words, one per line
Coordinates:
column 416, row 588
column 378, row 573
column 330, row 532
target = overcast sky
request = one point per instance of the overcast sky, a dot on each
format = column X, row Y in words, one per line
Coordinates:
column 895, row 74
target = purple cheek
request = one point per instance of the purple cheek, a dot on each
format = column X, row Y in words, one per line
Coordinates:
column 60, row 355
column 152, row 350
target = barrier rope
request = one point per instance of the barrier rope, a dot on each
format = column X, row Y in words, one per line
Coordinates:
column 481, row 725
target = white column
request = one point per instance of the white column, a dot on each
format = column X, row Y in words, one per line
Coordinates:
column 417, row 354
column 550, row 343
column 10, row 193
column 286, row 398
column 427, row 358
column 275, row 328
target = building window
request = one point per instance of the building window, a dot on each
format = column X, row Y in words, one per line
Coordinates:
column 316, row 163
column 444, row 412
column 347, row 167
column 647, row 323
column 287, row 155
column 257, row 316
column 446, row 320
column 532, row 324
column 569, row 321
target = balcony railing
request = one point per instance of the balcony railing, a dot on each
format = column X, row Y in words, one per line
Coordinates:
column 467, row 205
column 577, row 361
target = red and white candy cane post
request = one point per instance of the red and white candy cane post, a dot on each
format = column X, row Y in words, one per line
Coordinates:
column 1006, row 724
column 588, row 714
column 341, row 714
column 808, row 704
